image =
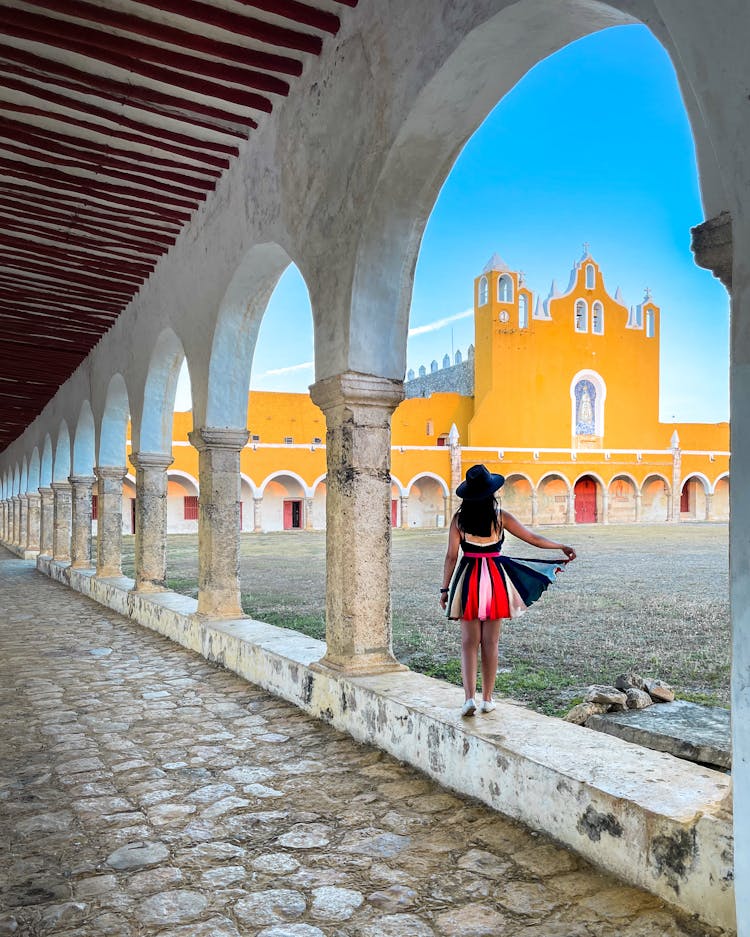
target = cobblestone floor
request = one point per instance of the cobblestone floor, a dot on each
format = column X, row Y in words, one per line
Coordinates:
column 145, row 791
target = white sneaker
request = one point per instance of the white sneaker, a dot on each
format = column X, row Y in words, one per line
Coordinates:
column 469, row 708
column 487, row 705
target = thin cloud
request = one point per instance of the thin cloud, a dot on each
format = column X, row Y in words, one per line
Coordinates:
column 439, row 323
column 305, row 366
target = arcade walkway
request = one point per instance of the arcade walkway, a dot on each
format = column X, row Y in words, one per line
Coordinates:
column 147, row 792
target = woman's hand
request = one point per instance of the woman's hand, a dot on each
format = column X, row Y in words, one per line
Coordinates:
column 568, row 551
column 443, row 600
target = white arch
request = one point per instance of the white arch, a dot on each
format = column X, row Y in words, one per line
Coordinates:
column 706, row 483
column 155, row 432
column 177, row 474
column 34, row 470
column 587, row 374
column 17, row 480
column 45, row 476
column 24, row 482
column 432, row 475
column 61, row 464
column 595, row 475
column 505, row 280
column 113, row 429
column 549, row 475
column 287, row 474
column 659, row 476
column 251, row 484
column 84, row 442
column 522, row 475
column 630, row 478
column 402, row 491
column 318, row 480
column 717, row 480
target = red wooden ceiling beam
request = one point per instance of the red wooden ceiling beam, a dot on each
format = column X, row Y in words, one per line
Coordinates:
column 57, row 304
column 238, row 25
column 137, row 57
column 154, row 136
column 173, row 36
column 60, row 265
column 99, row 247
column 102, row 287
column 148, row 99
column 299, row 12
column 66, row 157
column 42, row 137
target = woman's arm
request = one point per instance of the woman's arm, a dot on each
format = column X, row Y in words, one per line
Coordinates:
column 451, row 556
column 514, row 526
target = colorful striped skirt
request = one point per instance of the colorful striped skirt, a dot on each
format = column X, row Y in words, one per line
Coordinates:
column 490, row 585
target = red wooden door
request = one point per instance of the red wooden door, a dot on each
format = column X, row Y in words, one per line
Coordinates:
column 394, row 512
column 685, row 499
column 292, row 515
column 585, row 501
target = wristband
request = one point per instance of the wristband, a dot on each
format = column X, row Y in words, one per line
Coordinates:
column 446, row 590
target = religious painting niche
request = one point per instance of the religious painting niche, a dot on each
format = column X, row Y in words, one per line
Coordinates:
column 588, row 432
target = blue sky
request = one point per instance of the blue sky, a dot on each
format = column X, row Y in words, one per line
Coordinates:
column 592, row 145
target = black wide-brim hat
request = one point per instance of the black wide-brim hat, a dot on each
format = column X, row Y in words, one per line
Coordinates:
column 479, row 484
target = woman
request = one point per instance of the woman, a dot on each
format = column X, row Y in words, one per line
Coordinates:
column 487, row 586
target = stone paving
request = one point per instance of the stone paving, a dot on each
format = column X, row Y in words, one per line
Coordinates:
column 147, row 792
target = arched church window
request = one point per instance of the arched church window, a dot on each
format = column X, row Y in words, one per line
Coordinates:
column 589, row 276
column 650, row 323
column 505, row 289
column 523, row 311
column 597, row 319
column 582, row 316
column 484, row 292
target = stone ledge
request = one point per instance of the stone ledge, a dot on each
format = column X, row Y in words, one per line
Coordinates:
column 655, row 821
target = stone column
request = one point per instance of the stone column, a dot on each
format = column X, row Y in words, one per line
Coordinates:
column 257, row 515
column 33, row 522
column 638, row 507
column 571, row 518
column 47, row 521
column 308, row 513
column 3, row 519
column 219, row 520
column 456, row 473
column 404, row 499
column 23, row 513
column 358, row 409
column 605, row 507
column 61, row 521
column 674, row 516
column 150, row 520
column 80, row 540
column 16, row 520
column 109, row 520
column 534, row 508
column 709, row 506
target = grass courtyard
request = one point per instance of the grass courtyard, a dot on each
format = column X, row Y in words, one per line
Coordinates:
column 650, row 598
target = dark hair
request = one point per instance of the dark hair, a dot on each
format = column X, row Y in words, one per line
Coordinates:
column 480, row 518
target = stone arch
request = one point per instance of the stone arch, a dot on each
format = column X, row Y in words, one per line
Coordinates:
column 24, row 479
column 248, row 493
column 426, row 504
column 62, row 462
column 45, row 476
column 553, row 498
column 33, row 481
column 284, row 493
column 516, row 496
column 235, row 335
column 622, row 500
column 693, row 491
column 154, row 430
column 319, row 489
column 720, row 498
column 182, row 502
column 84, row 442
column 656, row 493
column 114, row 424
column 588, row 500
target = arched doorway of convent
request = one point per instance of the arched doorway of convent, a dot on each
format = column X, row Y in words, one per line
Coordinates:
column 553, row 497
column 622, row 500
column 516, row 497
column 655, row 495
column 585, row 494
column 283, row 503
column 182, row 503
column 720, row 502
column 318, row 520
column 427, row 502
column 693, row 498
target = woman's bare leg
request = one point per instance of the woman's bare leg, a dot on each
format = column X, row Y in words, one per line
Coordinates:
column 470, row 637
column 490, row 631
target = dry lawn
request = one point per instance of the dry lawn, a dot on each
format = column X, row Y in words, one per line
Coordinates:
column 650, row 598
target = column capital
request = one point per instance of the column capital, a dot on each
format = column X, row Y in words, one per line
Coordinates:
column 33, row 495
column 111, row 471
column 712, row 246
column 352, row 388
column 160, row 460
column 218, row 437
column 45, row 490
column 60, row 485
column 80, row 481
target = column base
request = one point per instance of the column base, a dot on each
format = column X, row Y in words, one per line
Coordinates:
column 109, row 572
column 360, row 666
column 149, row 587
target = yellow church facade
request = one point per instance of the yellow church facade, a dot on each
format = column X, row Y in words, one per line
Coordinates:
column 560, row 395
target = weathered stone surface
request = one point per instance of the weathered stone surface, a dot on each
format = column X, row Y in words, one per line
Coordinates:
column 638, row 699
column 659, row 691
column 606, row 694
column 398, row 925
column 214, row 927
column 687, row 730
column 395, row 898
column 335, row 904
column 171, row 907
column 275, row 863
column 580, row 713
column 484, row 863
column 274, row 906
column 630, row 680
column 305, row 836
column 138, row 855
column 291, row 930
column 373, row 842
column 154, row 880
column 91, row 887
column 224, row 875
column 473, row 920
